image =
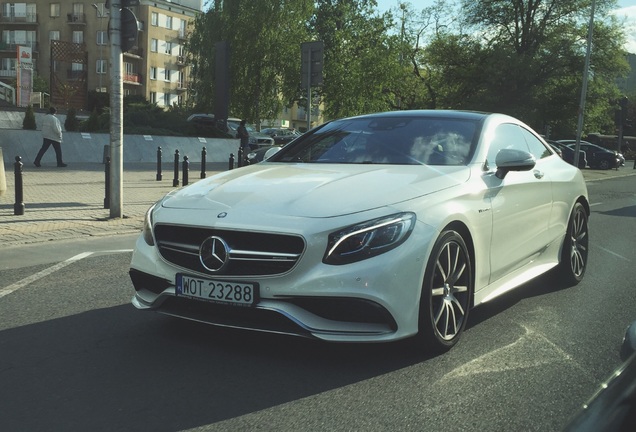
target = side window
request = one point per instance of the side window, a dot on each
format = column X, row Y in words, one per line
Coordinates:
column 507, row 136
column 538, row 150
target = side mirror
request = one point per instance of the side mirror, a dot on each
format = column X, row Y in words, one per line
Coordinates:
column 271, row 152
column 629, row 341
column 513, row 160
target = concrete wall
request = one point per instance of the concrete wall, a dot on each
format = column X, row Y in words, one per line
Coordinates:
column 89, row 147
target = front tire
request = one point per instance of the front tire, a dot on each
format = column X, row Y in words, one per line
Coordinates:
column 573, row 263
column 604, row 165
column 446, row 293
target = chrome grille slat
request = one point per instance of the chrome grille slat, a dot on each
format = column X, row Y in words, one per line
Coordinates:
column 250, row 253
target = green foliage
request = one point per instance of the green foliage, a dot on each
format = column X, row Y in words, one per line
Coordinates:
column 29, row 119
column 71, row 124
column 92, row 124
column 264, row 64
column 98, row 100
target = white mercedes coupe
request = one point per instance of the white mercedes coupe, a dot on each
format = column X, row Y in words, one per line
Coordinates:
column 368, row 229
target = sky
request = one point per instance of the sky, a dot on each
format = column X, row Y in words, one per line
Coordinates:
column 626, row 9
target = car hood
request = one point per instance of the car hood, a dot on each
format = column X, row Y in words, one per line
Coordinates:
column 311, row 190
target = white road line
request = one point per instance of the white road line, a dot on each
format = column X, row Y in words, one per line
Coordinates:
column 613, row 253
column 39, row 275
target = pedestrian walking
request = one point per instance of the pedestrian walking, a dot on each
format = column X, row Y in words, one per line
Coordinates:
column 52, row 135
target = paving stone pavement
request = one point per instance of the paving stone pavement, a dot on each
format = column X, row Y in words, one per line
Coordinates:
column 68, row 203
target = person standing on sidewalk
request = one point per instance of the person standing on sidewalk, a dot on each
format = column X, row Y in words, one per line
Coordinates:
column 244, row 135
column 52, row 135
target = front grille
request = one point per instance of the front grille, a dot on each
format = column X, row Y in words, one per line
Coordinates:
column 250, row 253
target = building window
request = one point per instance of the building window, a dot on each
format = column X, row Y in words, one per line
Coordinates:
column 153, row 73
column 168, row 47
column 54, row 35
column 101, row 66
column 154, row 19
column 153, row 97
column 55, row 10
column 100, row 11
column 166, row 75
column 154, row 43
column 169, row 22
column 78, row 37
column 101, row 37
column 166, row 99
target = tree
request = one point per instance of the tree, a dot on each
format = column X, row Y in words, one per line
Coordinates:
column 29, row 119
column 264, row 65
column 536, row 51
column 360, row 57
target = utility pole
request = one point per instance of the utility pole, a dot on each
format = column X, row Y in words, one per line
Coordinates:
column 116, row 112
column 586, row 71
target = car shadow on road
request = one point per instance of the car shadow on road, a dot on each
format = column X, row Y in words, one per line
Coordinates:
column 120, row 369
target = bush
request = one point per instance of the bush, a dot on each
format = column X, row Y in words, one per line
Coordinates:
column 71, row 124
column 29, row 119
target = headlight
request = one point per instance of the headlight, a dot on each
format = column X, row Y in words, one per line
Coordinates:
column 147, row 229
column 368, row 239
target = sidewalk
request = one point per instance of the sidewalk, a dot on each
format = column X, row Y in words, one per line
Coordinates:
column 68, row 203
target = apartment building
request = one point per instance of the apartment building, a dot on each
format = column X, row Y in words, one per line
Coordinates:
column 70, row 49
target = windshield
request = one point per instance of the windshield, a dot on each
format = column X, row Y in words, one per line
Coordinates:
column 386, row 140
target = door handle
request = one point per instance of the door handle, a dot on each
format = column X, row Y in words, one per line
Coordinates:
column 538, row 174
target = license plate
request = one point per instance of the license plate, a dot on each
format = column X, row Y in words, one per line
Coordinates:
column 235, row 293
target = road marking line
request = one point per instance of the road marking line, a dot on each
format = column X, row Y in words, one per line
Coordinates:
column 613, row 253
column 24, row 282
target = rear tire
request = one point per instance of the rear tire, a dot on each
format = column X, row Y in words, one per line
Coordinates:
column 573, row 263
column 446, row 293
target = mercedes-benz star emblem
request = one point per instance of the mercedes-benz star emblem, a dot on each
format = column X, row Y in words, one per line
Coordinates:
column 214, row 253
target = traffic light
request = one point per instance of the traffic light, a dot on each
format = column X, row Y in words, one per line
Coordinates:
column 312, row 59
column 129, row 26
column 129, row 29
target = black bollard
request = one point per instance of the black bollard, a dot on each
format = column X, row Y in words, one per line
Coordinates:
column 231, row 165
column 240, row 157
column 18, row 207
column 175, row 181
column 159, row 175
column 186, row 170
column 107, row 183
column 204, row 154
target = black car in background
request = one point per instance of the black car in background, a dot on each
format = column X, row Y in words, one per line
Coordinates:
column 567, row 153
column 597, row 156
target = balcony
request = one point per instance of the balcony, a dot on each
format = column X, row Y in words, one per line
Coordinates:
column 136, row 53
column 132, row 78
column 181, row 61
column 19, row 19
column 76, row 19
column 13, row 46
column 8, row 73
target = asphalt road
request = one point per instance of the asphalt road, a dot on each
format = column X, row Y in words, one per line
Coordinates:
column 76, row 356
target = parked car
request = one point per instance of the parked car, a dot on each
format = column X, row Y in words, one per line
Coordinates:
column 232, row 124
column 613, row 407
column 597, row 156
column 282, row 135
column 368, row 229
column 568, row 154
